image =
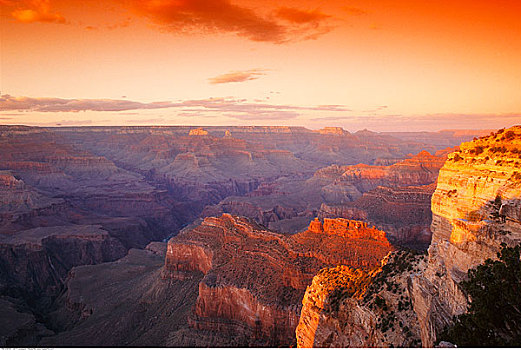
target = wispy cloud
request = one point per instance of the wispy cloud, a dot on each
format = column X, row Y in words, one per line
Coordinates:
column 235, row 108
column 237, row 76
column 145, row 121
column 295, row 15
column 49, row 104
column 223, row 16
column 264, row 115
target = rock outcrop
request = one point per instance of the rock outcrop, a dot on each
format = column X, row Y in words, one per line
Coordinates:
column 136, row 184
column 350, row 308
column 476, row 207
column 394, row 198
column 252, row 280
column 198, row 132
column 34, row 263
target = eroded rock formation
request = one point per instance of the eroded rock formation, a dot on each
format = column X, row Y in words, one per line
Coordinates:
column 476, row 207
column 252, row 280
column 350, row 308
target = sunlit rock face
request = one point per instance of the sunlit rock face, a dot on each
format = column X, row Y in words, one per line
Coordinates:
column 345, row 307
column 198, row 132
column 476, row 207
column 252, row 280
column 395, row 198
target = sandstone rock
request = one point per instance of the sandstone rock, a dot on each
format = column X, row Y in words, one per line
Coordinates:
column 468, row 224
column 475, row 208
column 254, row 279
column 346, row 307
column 198, row 132
column 332, row 131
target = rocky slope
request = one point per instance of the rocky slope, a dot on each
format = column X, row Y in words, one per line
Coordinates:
column 395, row 198
column 34, row 263
column 121, row 303
column 138, row 184
column 349, row 308
column 476, row 207
column 49, row 166
column 252, row 280
column 223, row 282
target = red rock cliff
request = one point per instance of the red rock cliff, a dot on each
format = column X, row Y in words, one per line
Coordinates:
column 252, row 280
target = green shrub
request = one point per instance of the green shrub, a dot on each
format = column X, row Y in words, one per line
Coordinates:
column 493, row 318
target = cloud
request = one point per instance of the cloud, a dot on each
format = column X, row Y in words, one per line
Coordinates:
column 295, row 15
column 330, row 108
column 31, row 11
column 235, row 108
column 145, row 121
column 237, row 76
column 222, row 16
column 264, row 115
column 46, row 104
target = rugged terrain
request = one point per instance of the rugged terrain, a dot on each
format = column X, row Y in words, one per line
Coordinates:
column 76, row 196
column 224, row 282
column 476, row 207
column 395, row 198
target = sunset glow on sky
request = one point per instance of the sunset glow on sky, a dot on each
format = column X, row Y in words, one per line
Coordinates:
column 385, row 65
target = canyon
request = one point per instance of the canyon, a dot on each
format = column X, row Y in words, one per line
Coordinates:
column 224, row 282
column 475, row 208
column 395, row 198
column 84, row 203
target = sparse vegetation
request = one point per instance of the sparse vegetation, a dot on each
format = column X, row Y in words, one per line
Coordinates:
column 509, row 135
column 493, row 318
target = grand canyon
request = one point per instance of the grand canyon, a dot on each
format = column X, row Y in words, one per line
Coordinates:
column 273, row 174
column 185, row 236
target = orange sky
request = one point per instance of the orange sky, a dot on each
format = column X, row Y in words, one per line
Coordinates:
column 376, row 64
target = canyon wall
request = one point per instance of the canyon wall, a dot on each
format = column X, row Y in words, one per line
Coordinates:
column 34, row 263
column 394, row 198
column 133, row 185
column 252, row 280
column 350, row 308
column 476, row 207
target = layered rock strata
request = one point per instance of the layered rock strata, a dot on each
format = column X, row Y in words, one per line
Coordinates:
column 252, row 280
column 476, row 207
column 34, row 263
column 350, row 308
